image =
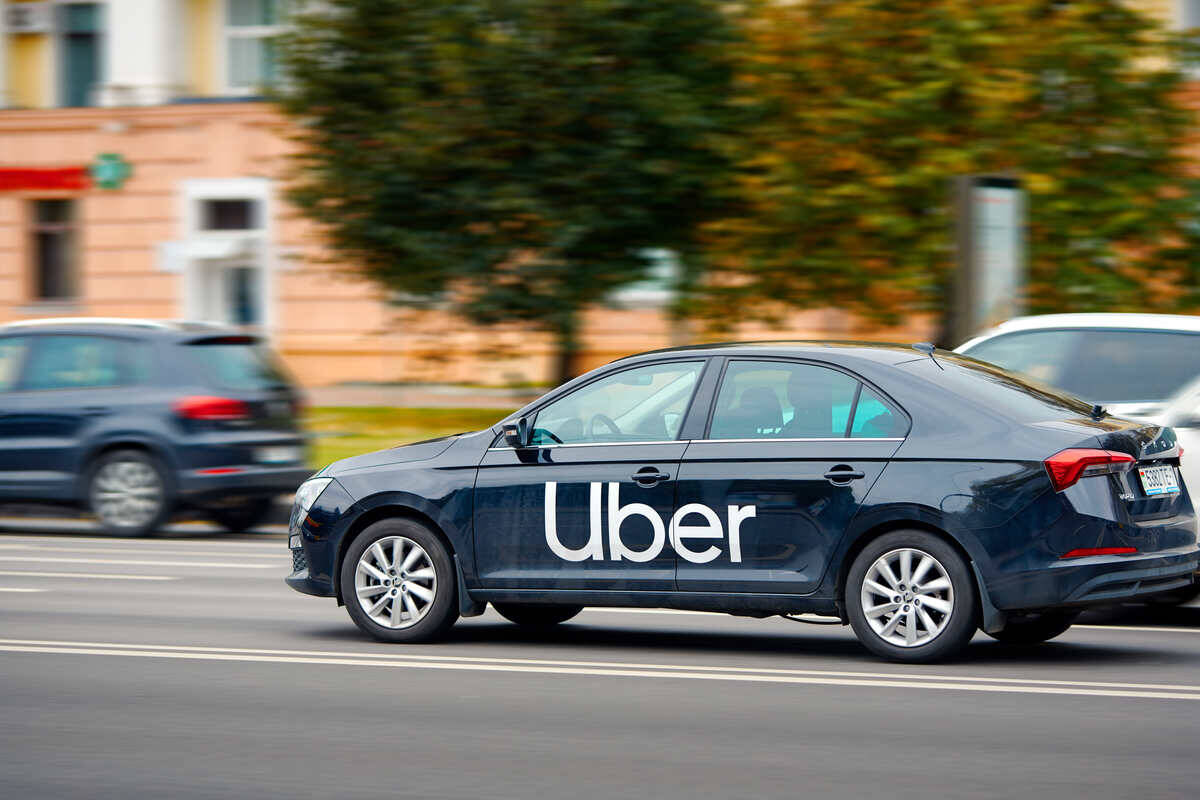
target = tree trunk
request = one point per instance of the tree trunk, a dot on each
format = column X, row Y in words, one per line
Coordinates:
column 567, row 359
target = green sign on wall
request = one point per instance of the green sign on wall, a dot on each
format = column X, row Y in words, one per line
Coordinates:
column 110, row 170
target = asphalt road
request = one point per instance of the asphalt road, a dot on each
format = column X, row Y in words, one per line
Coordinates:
column 182, row 667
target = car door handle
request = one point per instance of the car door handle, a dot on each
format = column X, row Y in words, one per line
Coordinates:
column 843, row 473
column 649, row 476
column 95, row 411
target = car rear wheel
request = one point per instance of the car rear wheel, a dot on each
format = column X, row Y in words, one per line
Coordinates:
column 910, row 598
column 242, row 515
column 128, row 492
column 1035, row 628
column 534, row 615
column 398, row 582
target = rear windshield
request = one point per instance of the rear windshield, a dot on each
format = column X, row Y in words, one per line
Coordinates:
column 238, row 363
column 1102, row 366
column 1015, row 396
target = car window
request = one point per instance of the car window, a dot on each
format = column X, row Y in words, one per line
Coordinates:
column 1102, row 366
column 643, row 404
column 85, row 362
column 1019, row 397
column 238, row 362
column 780, row 400
column 873, row 419
column 12, row 355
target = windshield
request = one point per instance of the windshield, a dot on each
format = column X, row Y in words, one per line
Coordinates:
column 238, row 362
column 1101, row 366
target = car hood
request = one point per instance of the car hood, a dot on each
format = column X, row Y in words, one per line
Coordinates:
column 415, row 451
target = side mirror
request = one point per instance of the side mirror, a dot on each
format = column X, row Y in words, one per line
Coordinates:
column 516, row 434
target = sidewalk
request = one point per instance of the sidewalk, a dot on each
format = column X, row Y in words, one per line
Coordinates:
column 418, row 395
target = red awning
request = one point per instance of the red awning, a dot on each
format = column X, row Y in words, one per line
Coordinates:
column 56, row 179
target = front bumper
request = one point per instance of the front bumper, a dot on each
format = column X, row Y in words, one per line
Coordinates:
column 313, row 538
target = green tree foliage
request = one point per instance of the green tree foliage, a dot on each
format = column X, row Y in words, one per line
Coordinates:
column 866, row 110
column 510, row 158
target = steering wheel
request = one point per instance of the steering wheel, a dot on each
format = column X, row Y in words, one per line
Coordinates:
column 608, row 423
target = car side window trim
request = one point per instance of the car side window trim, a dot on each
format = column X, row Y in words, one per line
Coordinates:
column 882, row 395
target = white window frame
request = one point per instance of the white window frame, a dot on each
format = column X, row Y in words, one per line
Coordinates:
column 224, row 33
column 261, row 240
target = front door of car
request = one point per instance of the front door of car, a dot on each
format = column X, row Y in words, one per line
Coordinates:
column 13, row 352
column 791, row 451
column 587, row 503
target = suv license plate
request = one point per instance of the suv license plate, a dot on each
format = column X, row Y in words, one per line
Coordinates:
column 1159, row 480
column 278, row 455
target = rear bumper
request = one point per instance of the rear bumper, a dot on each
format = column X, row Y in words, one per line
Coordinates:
column 195, row 485
column 1095, row 580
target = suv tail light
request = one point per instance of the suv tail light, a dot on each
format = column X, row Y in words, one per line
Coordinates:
column 211, row 408
column 1068, row 466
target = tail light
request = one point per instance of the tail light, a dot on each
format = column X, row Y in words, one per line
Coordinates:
column 1083, row 552
column 211, row 408
column 1067, row 467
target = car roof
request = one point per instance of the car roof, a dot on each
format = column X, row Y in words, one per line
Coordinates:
column 110, row 324
column 883, row 352
column 1156, row 322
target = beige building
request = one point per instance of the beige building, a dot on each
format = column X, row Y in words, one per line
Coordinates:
column 139, row 176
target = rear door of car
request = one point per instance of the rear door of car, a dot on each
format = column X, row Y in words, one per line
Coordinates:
column 71, row 385
column 586, row 505
column 792, row 448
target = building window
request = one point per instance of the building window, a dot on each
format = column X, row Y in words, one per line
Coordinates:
column 54, row 250
column 229, row 215
column 1189, row 14
column 250, row 30
column 79, row 52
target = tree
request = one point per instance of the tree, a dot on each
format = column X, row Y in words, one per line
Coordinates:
column 513, row 159
column 868, row 108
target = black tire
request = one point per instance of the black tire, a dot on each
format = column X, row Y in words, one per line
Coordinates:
column 957, row 626
column 1035, row 628
column 440, row 613
column 534, row 615
column 129, row 492
column 242, row 515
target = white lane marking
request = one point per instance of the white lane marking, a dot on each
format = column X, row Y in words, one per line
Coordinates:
column 14, row 589
column 88, row 576
column 217, row 564
column 281, row 552
column 199, row 545
column 616, row 671
column 667, row 668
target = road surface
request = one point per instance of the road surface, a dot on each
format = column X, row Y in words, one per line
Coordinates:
column 182, row 667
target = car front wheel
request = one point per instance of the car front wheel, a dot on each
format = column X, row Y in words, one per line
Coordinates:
column 910, row 598
column 397, row 581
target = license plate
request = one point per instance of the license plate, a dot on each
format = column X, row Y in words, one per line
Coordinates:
column 278, row 455
column 1159, row 480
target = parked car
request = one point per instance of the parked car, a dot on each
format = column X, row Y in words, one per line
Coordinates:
column 135, row 419
column 914, row 494
column 1139, row 366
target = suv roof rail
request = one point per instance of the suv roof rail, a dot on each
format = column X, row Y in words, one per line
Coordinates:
column 136, row 323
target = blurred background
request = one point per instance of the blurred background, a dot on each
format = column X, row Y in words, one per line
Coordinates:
column 456, row 205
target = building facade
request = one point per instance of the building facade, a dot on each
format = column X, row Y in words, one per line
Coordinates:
column 141, row 176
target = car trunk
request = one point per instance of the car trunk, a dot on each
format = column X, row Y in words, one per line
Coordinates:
column 241, row 370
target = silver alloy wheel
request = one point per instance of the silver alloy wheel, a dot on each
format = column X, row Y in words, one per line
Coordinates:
column 395, row 582
column 907, row 597
column 127, row 494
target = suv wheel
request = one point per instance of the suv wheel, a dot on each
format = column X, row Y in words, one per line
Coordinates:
column 910, row 598
column 398, row 582
column 534, row 615
column 127, row 491
column 243, row 514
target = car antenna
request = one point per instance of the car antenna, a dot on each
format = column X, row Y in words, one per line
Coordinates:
column 927, row 349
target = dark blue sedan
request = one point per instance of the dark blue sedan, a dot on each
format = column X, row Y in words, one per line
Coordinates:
column 914, row 494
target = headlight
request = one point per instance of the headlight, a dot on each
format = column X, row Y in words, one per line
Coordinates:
column 309, row 491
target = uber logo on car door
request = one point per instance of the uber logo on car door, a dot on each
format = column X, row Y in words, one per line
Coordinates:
column 678, row 531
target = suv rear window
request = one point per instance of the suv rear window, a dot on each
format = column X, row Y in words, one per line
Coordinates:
column 238, row 362
column 1103, row 366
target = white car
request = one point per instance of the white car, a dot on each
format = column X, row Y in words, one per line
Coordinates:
column 1138, row 366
